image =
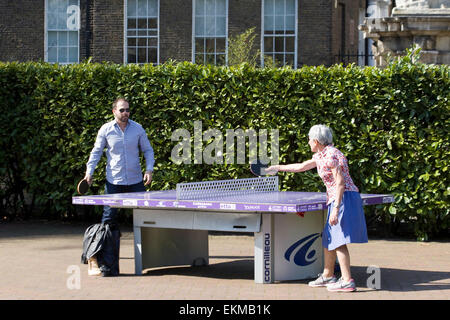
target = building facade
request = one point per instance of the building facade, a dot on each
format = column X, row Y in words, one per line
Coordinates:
column 292, row 32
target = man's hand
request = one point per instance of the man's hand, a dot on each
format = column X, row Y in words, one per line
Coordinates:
column 88, row 178
column 147, row 177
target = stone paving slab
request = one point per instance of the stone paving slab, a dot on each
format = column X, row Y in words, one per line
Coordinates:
column 40, row 260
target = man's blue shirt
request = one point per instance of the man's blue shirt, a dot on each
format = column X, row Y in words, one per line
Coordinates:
column 122, row 152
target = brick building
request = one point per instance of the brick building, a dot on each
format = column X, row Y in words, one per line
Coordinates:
column 294, row 32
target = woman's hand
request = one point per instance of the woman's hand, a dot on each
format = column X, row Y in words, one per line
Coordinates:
column 272, row 170
column 333, row 219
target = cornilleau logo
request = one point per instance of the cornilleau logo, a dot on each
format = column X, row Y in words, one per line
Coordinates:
column 303, row 257
column 267, row 262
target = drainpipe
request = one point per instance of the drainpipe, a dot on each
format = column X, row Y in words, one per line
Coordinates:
column 88, row 29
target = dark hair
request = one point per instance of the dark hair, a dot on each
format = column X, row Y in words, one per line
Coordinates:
column 117, row 101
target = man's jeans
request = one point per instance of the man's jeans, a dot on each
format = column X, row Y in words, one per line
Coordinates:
column 110, row 214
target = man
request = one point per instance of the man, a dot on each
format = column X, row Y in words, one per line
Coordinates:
column 122, row 139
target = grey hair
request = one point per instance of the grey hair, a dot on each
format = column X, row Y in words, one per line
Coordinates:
column 321, row 133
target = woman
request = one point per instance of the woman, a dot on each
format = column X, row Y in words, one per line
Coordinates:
column 345, row 221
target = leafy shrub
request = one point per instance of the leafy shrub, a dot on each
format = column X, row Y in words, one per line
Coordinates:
column 392, row 123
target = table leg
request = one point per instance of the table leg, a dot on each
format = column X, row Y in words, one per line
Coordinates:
column 263, row 263
column 298, row 252
column 137, row 251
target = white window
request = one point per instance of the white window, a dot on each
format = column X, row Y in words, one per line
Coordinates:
column 142, row 31
column 210, row 32
column 279, row 25
column 62, row 36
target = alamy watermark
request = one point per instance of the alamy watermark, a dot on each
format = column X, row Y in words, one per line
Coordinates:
column 249, row 144
column 73, row 18
column 374, row 280
column 73, row 282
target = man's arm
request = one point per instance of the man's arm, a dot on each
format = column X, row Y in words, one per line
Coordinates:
column 95, row 155
column 149, row 156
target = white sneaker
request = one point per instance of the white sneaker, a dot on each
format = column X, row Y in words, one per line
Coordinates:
column 342, row 286
column 321, row 281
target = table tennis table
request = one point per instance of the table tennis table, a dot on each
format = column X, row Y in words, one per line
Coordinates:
column 171, row 227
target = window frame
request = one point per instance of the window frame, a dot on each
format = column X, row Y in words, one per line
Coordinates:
column 47, row 30
column 125, row 34
column 194, row 4
column 295, row 36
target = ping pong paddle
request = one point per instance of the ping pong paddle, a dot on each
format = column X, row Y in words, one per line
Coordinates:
column 83, row 186
column 259, row 169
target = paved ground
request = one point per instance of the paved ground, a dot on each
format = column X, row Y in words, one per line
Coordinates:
column 40, row 260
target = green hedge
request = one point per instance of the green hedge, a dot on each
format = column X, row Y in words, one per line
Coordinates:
column 392, row 123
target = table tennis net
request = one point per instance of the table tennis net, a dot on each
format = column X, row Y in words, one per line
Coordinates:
column 220, row 188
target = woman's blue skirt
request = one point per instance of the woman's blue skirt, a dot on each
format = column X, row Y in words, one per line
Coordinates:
column 351, row 226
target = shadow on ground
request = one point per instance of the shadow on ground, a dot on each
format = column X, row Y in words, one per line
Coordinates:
column 403, row 279
column 391, row 279
column 45, row 228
